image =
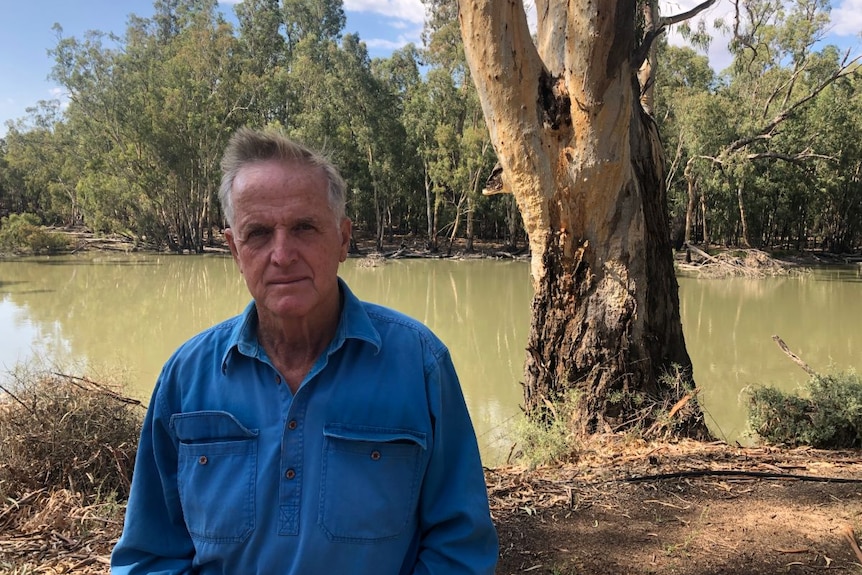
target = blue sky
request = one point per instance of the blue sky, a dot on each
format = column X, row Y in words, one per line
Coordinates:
column 26, row 35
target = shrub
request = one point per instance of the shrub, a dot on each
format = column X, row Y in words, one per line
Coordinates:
column 22, row 233
column 551, row 438
column 828, row 414
column 60, row 431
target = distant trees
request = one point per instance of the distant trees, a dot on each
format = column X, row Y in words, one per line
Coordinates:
column 759, row 155
column 767, row 153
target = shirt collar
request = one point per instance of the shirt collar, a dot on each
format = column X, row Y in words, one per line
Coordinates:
column 354, row 323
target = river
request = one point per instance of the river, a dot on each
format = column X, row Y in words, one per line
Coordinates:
column 113, row 316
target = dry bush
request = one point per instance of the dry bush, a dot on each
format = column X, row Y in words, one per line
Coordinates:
column 64, row 432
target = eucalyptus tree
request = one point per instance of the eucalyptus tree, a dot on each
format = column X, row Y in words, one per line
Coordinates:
column 200, row 101
column 460, row 155
column 264, row 67
column 777, row 72
column 835, row 201
column 420, row 120
column 685, row 85
column 43, row 164
column 371, row 111
column 7, row 197
column 321, row 19
column 156, row 109
column 401, row 79
column 585, row 164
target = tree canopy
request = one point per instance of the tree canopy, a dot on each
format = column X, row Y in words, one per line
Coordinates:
column 765, row 153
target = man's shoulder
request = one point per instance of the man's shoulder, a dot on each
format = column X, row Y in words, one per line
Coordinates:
column 394, row 323
column 211, row 339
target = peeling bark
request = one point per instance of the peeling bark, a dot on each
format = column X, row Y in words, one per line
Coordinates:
column 585, row 165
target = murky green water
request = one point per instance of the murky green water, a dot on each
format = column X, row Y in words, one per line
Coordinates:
column 101, row 314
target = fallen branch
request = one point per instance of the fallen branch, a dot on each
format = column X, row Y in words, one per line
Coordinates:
column 731, row 473
column 796, row 359
column 78, row 381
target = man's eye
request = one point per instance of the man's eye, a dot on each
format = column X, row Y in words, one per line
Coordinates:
column 256, row 233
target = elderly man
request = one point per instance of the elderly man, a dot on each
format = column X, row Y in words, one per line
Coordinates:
column 314, row 434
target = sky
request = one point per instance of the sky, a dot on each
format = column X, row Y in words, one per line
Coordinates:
column 26, row 35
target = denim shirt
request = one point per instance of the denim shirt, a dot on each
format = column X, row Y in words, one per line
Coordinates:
column 370, row 468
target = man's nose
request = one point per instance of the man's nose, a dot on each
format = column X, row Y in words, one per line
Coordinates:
column 283, row 248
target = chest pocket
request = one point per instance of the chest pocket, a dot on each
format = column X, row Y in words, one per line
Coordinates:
column 216, row 475
column 370, row 481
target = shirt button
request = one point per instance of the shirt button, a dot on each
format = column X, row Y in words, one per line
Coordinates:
column 291, row 424
column 202, row 460
column 375, row 455
column 290, row 474
column 277, row 379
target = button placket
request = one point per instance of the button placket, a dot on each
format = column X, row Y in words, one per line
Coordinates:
column 291, row 467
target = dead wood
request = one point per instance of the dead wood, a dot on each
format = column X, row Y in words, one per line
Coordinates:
column 796, row 359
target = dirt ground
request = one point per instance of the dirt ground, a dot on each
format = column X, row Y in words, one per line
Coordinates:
column 622, row 508
column 698, row 509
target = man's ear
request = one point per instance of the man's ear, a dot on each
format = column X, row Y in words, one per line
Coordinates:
column 231, row 243
column 346, row 230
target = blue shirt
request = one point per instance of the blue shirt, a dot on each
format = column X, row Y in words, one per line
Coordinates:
column 371, row 468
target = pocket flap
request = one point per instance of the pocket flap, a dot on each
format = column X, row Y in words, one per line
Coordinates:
column 374, row 434
column 198, row 426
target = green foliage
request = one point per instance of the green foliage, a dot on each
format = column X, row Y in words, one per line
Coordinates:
column 761, row 158
column 827, row 415
column 21, row 233
column 552, row 438
column 755, row 154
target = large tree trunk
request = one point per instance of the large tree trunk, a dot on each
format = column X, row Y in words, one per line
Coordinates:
column 585, row 165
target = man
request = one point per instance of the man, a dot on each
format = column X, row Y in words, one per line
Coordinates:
column 313, row 434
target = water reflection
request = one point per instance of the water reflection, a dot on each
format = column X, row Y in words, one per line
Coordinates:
column 103, row 313
column 729, row 324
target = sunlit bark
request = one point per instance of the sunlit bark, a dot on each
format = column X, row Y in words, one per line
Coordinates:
column 584, row 162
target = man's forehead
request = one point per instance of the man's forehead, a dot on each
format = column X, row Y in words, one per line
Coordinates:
column 294, row 167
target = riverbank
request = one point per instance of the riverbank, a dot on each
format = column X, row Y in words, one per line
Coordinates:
column 621, row 507
column 711, row 261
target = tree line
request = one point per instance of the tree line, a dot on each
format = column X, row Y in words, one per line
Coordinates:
column 767, row 153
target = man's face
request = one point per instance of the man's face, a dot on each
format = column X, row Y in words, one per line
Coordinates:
column 286, row 240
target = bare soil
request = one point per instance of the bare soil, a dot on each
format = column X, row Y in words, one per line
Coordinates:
column 624, row 507
column 686, row 508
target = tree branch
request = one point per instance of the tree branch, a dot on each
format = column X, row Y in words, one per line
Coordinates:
column 642, row 51
column 844, row 69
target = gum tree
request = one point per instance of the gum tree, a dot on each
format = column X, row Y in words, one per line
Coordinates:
column 585, row 164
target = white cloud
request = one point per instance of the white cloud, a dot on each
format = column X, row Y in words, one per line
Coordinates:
column 847, row 18
column 383, row 44
column 61, row 96
column 409, row 10
column 719, row 57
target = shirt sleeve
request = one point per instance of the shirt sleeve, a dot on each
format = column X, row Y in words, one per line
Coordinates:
column 154, row 539
column 457, row 534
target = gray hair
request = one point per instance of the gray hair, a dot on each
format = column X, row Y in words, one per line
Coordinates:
column 248, row 146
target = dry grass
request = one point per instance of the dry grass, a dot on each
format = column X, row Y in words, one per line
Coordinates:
column 61, row 431
column 67, row 445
